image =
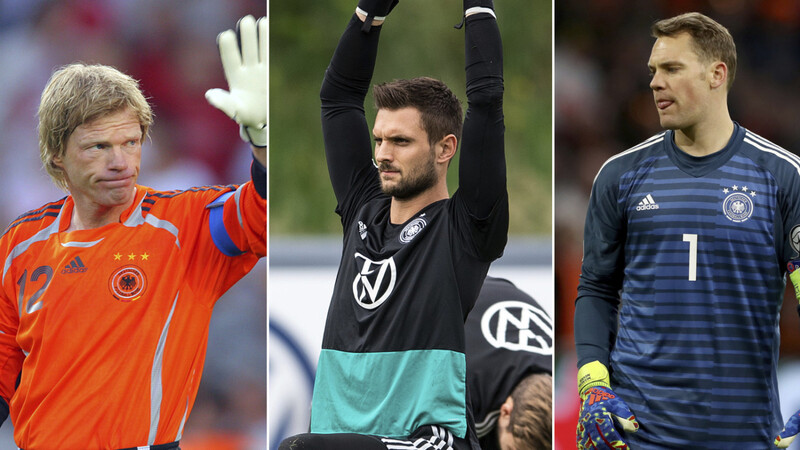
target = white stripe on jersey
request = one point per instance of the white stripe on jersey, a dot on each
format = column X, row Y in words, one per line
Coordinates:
column 441, row 439
column 483, row 428
column 649, row 142
column 775, row 151
column 767, row 143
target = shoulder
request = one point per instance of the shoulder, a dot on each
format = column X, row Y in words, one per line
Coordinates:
column 34, row 220
column 782, row 163
column 200, row 196
column 632, row 158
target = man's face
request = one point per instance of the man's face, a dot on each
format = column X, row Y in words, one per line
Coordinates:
column 680, row 82
column 101, row 161
column 406, row 160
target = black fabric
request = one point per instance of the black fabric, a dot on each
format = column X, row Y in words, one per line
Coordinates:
column 595, row 329
column 3, row 411
column 354, row 441
column 478, row 3
column 344, row 441
column 375, row 8
column 482, row 167
column 258, row 173
column 348, row 148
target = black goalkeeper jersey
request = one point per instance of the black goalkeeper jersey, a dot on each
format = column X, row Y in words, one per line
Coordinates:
column 394, row 335
column 392, row 358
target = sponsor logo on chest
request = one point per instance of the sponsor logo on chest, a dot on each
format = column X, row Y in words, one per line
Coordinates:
column 374, row 282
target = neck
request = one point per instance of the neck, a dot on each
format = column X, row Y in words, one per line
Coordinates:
column 91, row 216
column 706, row 137
column 402, row 210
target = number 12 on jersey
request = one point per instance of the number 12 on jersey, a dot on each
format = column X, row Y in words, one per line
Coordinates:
column 692, row 240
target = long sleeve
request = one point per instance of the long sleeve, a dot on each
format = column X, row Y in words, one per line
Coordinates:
column 597, row 304
column 348, row 147
column 482, row 166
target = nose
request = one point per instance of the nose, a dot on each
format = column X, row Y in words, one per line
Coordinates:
column 116, row 158
column 383, row 151
column 656, row 81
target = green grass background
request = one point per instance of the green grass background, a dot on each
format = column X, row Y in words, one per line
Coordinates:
column 418, row 39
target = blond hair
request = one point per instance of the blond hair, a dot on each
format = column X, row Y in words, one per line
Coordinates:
column 80, row 93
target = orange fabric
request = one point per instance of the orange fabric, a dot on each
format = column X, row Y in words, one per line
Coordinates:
column 100, row 313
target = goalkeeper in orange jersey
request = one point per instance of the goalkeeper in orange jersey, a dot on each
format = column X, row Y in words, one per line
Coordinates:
column 106, row 294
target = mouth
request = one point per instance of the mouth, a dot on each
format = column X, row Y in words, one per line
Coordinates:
column 664, row 104
column 386, row 170
column 116, row 182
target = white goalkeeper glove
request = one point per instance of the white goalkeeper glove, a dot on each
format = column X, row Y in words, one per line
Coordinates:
column 246, row 71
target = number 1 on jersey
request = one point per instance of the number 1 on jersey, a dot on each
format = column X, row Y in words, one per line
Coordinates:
column 692, row 240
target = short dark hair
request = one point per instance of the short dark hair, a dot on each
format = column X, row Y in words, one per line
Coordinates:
column 710, row 40
column 439, row 108
column 531, row 417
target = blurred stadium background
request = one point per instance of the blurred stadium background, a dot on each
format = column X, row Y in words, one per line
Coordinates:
column 305, row 233
column 603, row 105
column 170, row 47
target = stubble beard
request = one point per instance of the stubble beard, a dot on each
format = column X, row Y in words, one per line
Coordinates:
column 417, row 180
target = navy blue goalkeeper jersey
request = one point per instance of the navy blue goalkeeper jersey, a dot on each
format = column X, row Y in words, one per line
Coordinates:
column 697, row 249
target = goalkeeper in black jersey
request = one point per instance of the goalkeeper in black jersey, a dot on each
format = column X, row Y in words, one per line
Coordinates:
column 392, row 368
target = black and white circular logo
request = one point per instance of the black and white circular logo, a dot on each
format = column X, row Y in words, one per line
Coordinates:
column 412, row 230
column 795, row 238
column 737, row 207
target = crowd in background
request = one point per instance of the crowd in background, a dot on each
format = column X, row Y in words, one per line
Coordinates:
column 171, row 48
column 603, row 106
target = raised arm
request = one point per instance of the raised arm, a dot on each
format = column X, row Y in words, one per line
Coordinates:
column 482, row 167
column 348, row 146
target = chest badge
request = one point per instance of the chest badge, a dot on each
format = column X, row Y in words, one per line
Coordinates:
column 128, row 283
column 413, row 228
column 738, row 203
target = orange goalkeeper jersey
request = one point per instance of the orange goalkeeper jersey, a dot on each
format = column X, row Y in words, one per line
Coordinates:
column 109, row 326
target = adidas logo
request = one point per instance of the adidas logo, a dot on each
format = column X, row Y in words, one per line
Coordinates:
column 598, row 395
column 647, row 203
column 75, row 266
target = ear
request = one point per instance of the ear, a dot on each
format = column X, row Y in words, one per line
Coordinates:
column 57, row 161
column 446, row 149
column 507, row 406
column 719, row 74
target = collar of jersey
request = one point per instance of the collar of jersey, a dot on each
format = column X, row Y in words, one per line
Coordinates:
column 699, row 166
column 69, row 204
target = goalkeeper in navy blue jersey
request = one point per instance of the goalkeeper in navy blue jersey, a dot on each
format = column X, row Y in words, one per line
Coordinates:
column 392, row 369
column 687, row 244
